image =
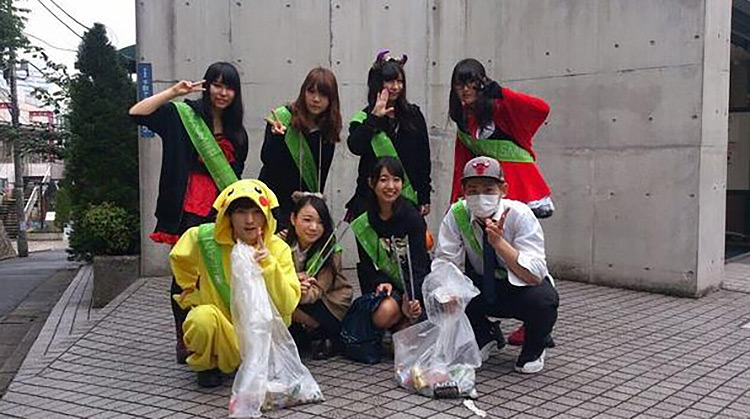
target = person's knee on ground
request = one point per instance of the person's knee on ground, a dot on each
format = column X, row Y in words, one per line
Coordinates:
column 387, row 314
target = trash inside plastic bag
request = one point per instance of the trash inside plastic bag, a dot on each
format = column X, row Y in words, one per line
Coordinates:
column 438, row 357
column 271, row 375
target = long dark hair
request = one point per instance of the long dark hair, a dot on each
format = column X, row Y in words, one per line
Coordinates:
column 468, row 71
column 384, row 70
column 324, row 81
column 231, row 117
column 393, row 166
column 325, row 217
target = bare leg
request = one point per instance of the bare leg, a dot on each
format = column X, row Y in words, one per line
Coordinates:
column 300, row 316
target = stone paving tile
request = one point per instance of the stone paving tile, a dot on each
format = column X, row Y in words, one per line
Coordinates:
column 620, row 354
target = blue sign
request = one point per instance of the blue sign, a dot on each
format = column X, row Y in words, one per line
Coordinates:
column 145, row 89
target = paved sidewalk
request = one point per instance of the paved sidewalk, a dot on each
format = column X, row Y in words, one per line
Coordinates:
column 620, row 354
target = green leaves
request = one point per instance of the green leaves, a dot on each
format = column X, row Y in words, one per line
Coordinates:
column 105, row 229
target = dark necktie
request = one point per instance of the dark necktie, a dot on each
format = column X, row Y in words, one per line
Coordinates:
column 489, row 261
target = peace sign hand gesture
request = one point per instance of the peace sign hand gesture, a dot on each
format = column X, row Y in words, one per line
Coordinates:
column 381, row 105
column 185, row 87
column 495, row 229
column 277, row 128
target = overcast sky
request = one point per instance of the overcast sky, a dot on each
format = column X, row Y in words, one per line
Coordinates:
column 43, row 29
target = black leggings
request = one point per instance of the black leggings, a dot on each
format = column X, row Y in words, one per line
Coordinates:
column 330, row 326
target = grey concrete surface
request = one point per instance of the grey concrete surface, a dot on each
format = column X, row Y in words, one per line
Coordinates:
column 30, row 288
column 634, row 148
column 19, row 276
column 619, row 354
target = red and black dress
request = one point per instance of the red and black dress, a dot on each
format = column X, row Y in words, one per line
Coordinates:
column 517, row 117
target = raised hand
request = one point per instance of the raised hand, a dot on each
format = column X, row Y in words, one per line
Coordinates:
column 381, row 105
column 185, row 87
column 276, row 126
column 261, row 251
column 495, row 229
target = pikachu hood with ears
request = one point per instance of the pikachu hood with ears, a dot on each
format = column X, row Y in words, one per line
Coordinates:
column 277, row 267
column 259, row 193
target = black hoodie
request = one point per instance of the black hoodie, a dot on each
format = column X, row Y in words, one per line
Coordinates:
column 405, row 221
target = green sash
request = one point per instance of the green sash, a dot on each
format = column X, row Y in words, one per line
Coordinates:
column 296, row 143
column 463, row 219
column 316, row 261
column 212, row 259
column 370, row 241
column 209, row 150
column 502, row 150
column 383, row 146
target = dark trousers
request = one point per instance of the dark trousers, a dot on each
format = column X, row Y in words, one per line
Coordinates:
column 536, row 306
column 330, row 326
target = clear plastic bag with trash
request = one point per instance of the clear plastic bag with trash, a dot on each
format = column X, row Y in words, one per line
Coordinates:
column 271, row 375
column 438, row 357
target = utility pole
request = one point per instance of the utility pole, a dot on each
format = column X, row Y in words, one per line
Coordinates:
column 23, row 246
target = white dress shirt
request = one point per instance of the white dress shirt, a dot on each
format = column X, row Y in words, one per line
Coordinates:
column 522, row 230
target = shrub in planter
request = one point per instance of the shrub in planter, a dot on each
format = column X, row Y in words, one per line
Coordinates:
column 109, row 235
column 105, row 229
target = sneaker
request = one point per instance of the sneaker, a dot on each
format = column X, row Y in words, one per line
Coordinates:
column 210, row 378
column 489, row 349
column 516, row 338
column 531, row 367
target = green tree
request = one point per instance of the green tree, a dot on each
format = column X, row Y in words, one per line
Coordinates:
column 12, row 38
column 102, row 156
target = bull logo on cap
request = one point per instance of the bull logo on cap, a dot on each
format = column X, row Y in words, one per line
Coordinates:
column 480, row 166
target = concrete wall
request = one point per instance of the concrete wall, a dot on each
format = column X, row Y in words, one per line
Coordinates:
column 634, row 149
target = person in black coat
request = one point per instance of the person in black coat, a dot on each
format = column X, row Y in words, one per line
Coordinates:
column 389, row 112
column 393, row 256
column 314, row 120
column 186, row 189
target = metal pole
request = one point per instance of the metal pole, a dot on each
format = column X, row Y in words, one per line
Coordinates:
column 23, row 246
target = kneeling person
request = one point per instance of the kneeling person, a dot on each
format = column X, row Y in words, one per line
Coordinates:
column 201, row 265
column 503, row 243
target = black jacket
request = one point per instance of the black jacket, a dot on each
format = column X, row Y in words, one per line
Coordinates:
column 406, row 221
column 409, row 135
column 179, row 157
column 281, row 174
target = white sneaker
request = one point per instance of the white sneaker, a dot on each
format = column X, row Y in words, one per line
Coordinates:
column 488, row 350
column 532, row 367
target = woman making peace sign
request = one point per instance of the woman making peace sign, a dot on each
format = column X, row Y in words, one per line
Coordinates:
column 299, row 142
column 204, row 147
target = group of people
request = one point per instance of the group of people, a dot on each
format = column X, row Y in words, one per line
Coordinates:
column 491, row 231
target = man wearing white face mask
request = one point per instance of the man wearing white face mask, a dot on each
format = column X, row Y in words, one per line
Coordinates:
column 499, row 244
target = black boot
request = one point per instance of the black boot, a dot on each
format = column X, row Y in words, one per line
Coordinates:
column 181, row 351
column 210, row 378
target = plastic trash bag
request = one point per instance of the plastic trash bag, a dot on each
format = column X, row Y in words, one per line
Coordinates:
column 362, row 340
column 438, row 357
column 271, row 375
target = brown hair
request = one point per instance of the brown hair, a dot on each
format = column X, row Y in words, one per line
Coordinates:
column 329, row 123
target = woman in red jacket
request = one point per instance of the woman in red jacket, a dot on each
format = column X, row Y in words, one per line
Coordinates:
column 498, row 122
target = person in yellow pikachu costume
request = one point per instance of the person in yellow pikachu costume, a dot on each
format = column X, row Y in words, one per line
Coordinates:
column 201, row 265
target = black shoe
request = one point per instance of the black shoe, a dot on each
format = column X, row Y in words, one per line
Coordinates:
column 549, row 342
column 210, row 378
column 323, row 349
column 497, row 334
column 181, row 353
